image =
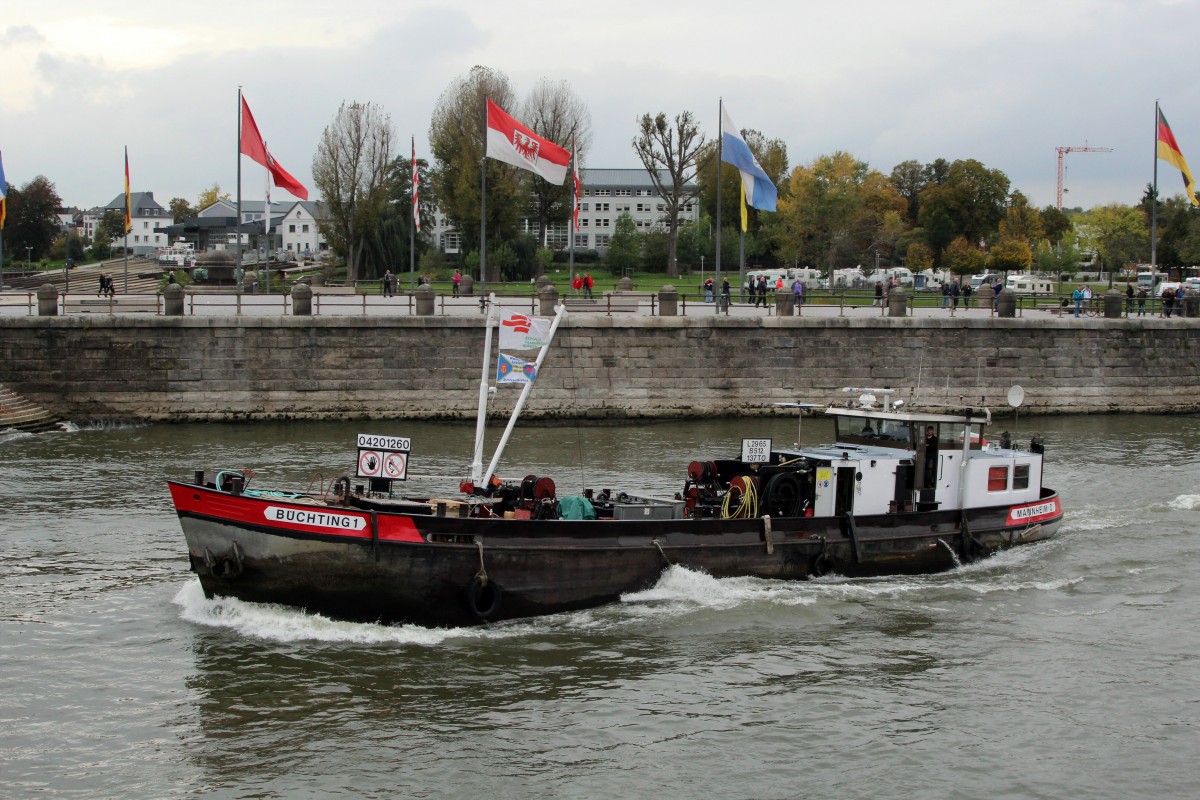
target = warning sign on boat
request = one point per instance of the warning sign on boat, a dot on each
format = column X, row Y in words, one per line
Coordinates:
column 395, row 466
column 370, row 464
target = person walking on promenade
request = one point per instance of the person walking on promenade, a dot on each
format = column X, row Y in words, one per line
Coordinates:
column 387, row 283
column 954, row 291
column 725, row 293
column 761, row 297
column 1141, row 300
column 945, row 294
column 1077, row 296
column 967, row 291
column 587, row 285
column 457, row 280
column 798, row 292
column 878, row 294
column 1129, row 299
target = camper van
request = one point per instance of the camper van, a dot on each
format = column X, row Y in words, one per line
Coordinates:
column 811, row 278
column 1030, row 284
column 979, row 280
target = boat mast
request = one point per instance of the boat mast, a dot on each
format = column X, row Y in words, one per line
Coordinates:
column 560, row 311
column 477, row 456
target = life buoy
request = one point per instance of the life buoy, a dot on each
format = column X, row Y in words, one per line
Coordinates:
column 482, row 599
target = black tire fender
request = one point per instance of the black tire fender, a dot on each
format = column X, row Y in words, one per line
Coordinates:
column 483, row 598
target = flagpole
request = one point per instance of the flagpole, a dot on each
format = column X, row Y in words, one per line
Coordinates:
column 477, row 454
column 574, row 210
column 266, row 268
column 412, row 223
column 1154, row 205
column 237, row 226
column 720, row 296
column 127, row 220
column 483, row 207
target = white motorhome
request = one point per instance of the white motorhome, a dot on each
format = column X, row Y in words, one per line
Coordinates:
column 852, row 278
column 1030, row 284
column 811, row 278
column 903, row 276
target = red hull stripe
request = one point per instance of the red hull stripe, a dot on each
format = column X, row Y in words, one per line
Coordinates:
column 282, row 515
column 1040, row 511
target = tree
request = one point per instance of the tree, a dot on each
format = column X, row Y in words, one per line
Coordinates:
column 963, row 258
column 209, row 196
column 181, row 209
column 555, row 112
column 625, row 247
column 1010, row 255
column 669, row 153
column 918, row 257
column 1055, row 223
column 972, row 197
column 111, row 227
column 32, row 218
column 351, row 169
column 456, row 138
column 1117, row 233
column 1021, row 221
column 833, row 213
column 910, row 179
column 386, row 245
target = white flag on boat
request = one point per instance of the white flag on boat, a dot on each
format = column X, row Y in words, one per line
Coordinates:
column 510, row 369
column 519, row 332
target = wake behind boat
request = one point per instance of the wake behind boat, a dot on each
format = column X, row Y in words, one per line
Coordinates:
column 897, row 491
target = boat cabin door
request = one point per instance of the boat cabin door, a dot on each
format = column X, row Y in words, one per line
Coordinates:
column 846, row 482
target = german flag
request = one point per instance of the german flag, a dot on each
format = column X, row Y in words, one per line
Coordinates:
column 1168, row 150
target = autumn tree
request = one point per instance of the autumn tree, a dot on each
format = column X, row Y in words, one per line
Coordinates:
column 918, row 257
column 1055, row 223
column 209, row 196
column 669, row 154
column 1010, row 255
column 968, row 202
column 457, row 140
column 351, row 169
column 180, row 209
column 1021, row 221
column 555, row 112
column 832, row 212
column 32, row 218
column 963, row 258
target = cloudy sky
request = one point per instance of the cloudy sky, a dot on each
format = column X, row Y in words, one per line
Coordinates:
column 1002, row 82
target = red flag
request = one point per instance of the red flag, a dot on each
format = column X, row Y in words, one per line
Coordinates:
column 254, row 146
column 511, row 142
column 128, row 210
column 416, row 183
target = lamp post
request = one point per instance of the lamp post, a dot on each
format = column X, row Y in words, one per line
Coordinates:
column 28, row 258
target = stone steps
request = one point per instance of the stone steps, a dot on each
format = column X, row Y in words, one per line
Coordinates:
column 17, row 412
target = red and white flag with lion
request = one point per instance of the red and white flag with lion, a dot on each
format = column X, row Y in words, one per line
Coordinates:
column 511, row 142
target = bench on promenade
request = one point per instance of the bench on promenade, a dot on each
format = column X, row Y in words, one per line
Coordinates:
column 112, row 305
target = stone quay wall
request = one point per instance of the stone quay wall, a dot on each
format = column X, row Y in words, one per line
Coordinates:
column 198, row 369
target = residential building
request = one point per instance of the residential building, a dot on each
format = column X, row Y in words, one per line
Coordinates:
column 605, row 194
column 146, row 215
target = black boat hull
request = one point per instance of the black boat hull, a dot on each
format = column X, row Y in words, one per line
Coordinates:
column 369, row 565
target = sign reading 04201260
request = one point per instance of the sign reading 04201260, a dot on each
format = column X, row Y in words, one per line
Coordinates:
column 383, row 456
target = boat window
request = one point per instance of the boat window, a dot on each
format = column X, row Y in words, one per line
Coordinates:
column 877, row 432
column 1021, row 476
column 998, row 479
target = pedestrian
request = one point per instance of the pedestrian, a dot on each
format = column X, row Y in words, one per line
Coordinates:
column 954, row 292
column 798, row 293
column 587, row 285
column 1168, row 301
column 457, row 281
column 103, row 285
column 725, row 293
column 1129, row 299
column 577, row 285
column 1141, row 300
column 387, row 283
column 878, row 301
column 945, row 295
column 931, row 456
column 762, row 292
column 996, row 290
column 1077, row 296
column 709, row 288
column 967, row 291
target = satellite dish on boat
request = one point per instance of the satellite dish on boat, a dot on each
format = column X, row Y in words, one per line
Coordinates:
column 1016, row 396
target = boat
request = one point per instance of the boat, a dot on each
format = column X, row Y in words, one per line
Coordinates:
column 900, row 489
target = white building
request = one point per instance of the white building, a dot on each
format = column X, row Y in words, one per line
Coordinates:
column 294, row 229
column 146, row 216
column 605, row 194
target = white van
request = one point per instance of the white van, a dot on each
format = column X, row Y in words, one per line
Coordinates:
column 978, row 280
column 1030, row 284
column 772, row 276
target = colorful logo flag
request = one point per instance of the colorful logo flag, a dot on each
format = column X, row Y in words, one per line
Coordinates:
column 128, row 209
column 3, row 194
column 416, row 185
column 760, row 192
column 519, row 332
column 1168, row 150
column 510, row 369
column 252, row 144
column 511, row 142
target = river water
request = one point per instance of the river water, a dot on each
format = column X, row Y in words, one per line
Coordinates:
column 1066, row 669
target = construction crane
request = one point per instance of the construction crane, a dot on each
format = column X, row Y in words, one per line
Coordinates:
column 1062, row 151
